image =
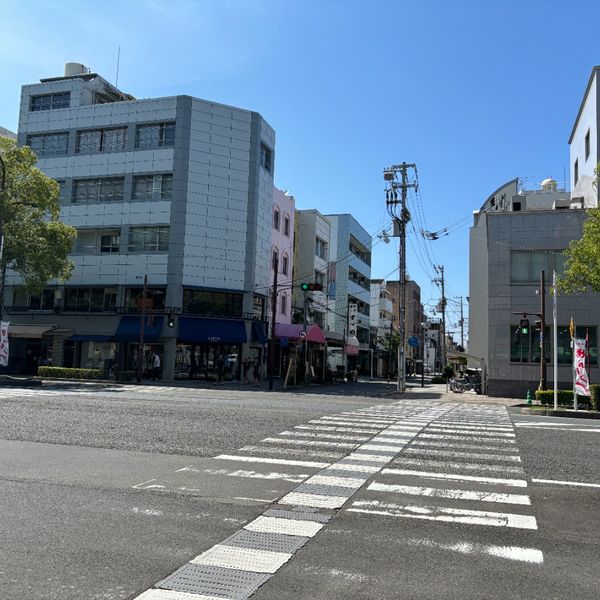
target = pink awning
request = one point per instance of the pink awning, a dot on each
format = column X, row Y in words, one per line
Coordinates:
column 351, row 350
column 313, row 332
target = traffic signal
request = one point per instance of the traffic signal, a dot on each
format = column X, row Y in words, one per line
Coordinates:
column 524, row 326
column 311, row 287
column 171, row 319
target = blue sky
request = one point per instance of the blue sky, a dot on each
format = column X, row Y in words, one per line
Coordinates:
column 474, row 92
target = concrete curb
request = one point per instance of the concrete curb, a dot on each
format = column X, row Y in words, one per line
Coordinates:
column 550, row 412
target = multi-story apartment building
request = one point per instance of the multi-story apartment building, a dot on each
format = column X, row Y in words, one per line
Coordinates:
column 350, row 283
column 584, row 146
column 175, row 190
column 382, row 317
column 311, row 262
column 414, row 316
column 283, row 252
column 515, row 236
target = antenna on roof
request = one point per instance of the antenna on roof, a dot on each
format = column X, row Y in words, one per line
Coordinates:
column 118, row 61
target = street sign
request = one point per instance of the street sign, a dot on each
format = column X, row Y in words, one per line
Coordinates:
column 302, row 334
column 283, row 342
column 413, row 341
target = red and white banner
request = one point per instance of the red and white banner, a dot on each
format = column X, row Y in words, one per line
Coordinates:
column 4, row 343
column 582, row 383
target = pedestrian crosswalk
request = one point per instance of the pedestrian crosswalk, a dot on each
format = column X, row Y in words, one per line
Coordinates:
column 445, row 464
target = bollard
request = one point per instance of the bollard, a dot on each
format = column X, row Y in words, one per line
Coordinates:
column 529, row 397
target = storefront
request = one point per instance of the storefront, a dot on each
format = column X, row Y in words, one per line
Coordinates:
column 202, row 341
column 127, row 338
column 297, row 344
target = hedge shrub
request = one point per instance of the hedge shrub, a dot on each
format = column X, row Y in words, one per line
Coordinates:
column 64, row 373
column 595, row 396
column 565, row 398
column 438, row 380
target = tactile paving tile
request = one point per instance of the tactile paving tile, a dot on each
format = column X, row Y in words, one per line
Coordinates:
column 173, row 595
column 297, row 515
column 214, row 581
column 272, row 541
column 338, row 471
column 326, row 490
column 314, row 500
column 289, row 527
column 245, row 559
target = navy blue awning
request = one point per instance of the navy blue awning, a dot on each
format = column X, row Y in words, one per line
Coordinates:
column 89, row 338
column 129, row 329
column 258, row 332
column 215, row 331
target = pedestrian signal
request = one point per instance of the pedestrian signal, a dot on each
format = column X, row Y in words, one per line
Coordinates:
column 524, row 326
column 171, row 319
column 311, row 287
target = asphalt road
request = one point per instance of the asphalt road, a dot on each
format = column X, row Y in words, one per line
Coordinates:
column 105, row 493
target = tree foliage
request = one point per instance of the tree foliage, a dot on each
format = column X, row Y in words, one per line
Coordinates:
column 389, row 341
column 36, row 242
column 582, row 267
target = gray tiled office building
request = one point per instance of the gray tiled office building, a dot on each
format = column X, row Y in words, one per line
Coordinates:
column 177, row 189
column 515, row 235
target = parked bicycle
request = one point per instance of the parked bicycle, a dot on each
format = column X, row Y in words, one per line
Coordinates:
column 468, row 382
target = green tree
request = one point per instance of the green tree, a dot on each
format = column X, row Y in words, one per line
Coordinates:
column 36, row 242
column 390, row 342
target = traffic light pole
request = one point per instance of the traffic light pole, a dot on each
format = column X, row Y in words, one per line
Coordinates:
column 271, row 347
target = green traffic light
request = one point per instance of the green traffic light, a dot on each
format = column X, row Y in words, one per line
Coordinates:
column 304, row 287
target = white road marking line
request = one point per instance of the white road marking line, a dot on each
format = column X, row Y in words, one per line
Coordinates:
column 588, row 430
column 357, row 419
column 272, row 440
column 426, row 462
column 502, row 428
column 320, row 422
column 327, row 436
column 387, row 448
column 452, row 494
column 173, row 595
column 456, row 477
column 335, row 481
column 332, row 428
column 243, row 559
column 256, row 475
column 517, row 553
column 476, row 456
column 573, row 483
column 145, row 485
column 449, row 515
column 313, row 500
column 273, row 461
column 303, row 451
column 478, row 432
column 341, row 466
column 471, row 424
column 285, row 526
column 368, row 457
column 262, row 500
column 465, row 438
column 435, row 444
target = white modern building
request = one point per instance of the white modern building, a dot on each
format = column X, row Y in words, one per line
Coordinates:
column 177, row 190
column 382, row 321
column 584, row 148
column 282, row 249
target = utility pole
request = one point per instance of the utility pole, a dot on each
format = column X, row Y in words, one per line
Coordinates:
column 440, row 269
column 542, row 330
column 271, row 347
column 304, row 344
column 401, row 217
column 462, row 325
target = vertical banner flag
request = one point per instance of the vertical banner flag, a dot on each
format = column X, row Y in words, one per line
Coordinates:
column 582, row 383
column 352, row 319
column 4, row 343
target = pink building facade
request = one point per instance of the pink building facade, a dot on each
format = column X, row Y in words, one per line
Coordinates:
column 282, row 250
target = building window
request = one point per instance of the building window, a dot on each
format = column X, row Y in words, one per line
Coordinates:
column 107, row 189
column 286, row 226
column 359, row 251
column 275, row 259
column 276, row 219
column 158, row 135
column 51, row 101
column 155, row 299
column 149, row 239
column 101, row 140
column 587, row 144
column 285, row 264
column 321, row 248
column 266, row 157
column 283, row 310
column 43, row 301
column 49, row 144
column 219, row 304
column 526, row 348
column 61, row 191
column 320, row 278
column 152, row 187
column 526, row 267
column 576, row 171
column 110, row 242
column 90, row 299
